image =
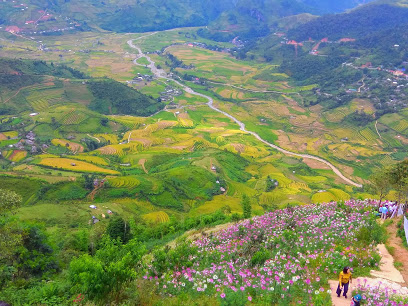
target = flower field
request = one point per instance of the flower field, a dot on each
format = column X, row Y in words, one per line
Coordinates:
column 282, row 258
column 381, row 294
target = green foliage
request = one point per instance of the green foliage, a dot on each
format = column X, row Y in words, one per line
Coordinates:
column 88, row 181
column 36, row 256
column 101, row 277
column 9, row 201
column 246, row 206
column 260, row 257
column 30, row 72
column 359, row 118
column 401, row 232
column 118, row 229
column 25, row 187
column 398, row 176
column 112, row 97
column 166, row 259
column 374, row 232
column 66, row 191
column 367, row 19
column 380, row 183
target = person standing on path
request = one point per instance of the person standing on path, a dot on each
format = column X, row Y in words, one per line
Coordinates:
column 344, row 281
column 384, row 211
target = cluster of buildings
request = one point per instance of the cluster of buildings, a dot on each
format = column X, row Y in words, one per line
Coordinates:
column 141, row 78
column 169, row 93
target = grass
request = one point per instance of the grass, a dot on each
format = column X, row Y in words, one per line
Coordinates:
column 25, row 187
column 398, row 265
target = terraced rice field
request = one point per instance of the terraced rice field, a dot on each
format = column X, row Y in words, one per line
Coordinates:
column 123, row 182
column 7, row 135
column 91, row 159
column 42, row 99
column 387, row 160
column 185, row 122
column 369, row 134
column 339, row 194
column 129, row 122
column 73, row 117
column 74, row 147
column 17, row 155
column 157, row 217
column 337, row 114
column 323, row 197
column 120, row 150
column 74, row 165
column 110, row 138
column 400, row 126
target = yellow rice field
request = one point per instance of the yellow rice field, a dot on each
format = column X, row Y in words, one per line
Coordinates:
column 74, row 165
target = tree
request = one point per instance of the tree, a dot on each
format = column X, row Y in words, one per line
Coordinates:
column 118, row 229
column 9, row 201
column 246, row 206
column 104, row 121
column 271, row 184
column 89, row 181
column 102, row 276
column 398, row 176
column 36, row 255
column 380, row 184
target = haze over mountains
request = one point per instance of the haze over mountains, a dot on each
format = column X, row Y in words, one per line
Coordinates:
column 137, row 16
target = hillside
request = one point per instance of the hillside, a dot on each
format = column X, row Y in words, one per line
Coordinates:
column 365, row 21
column 57, row 17
column 225, row 164
column 35, row 85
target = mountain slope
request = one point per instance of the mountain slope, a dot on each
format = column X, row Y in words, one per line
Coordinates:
column 131, row 16
column 356, row 24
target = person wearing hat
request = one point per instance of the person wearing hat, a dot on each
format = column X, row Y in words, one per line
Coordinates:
column 355, row 301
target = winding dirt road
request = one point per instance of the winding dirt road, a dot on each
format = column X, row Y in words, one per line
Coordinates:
column 160, row 73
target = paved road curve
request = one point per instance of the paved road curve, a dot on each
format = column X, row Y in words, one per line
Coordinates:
column 162, row 74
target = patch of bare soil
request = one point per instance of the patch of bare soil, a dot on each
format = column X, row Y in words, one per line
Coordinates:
column 142, row 163
column 400, row 252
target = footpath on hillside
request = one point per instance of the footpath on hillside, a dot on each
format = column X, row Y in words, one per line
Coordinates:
column 388, row 276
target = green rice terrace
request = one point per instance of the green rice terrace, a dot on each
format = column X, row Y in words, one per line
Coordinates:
column 120, row 159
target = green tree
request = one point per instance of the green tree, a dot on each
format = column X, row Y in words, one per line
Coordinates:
column 118, row 228
column 9, row 201
column 380, row 184
column 398, row 176
column 36, row 255
column 102, row 277
column 10, row 235
column 246, row 206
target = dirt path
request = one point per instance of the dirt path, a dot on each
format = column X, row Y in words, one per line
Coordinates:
column 400, row 253
column 388, row 276
column 376, row 128
column 18, row 91
column 97, row 139
column 142, row 163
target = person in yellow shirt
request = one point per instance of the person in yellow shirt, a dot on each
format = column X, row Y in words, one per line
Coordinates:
column 344, row 280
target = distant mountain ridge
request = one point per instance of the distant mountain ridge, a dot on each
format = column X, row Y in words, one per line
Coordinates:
column 150, row 15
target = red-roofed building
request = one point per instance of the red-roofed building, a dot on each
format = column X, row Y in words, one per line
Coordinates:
column 347, row 40
column 13, row 29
